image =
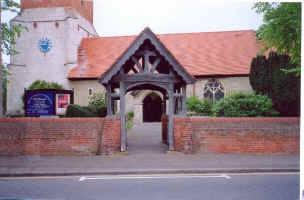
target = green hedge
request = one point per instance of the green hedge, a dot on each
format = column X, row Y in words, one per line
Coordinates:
column 244, row 105
column 85, row 111
column 199, row 106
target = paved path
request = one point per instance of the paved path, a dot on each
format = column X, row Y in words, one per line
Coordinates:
column 146, row 139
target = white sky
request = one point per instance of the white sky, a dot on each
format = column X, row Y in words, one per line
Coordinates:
column 130, row 17
column 121, row 17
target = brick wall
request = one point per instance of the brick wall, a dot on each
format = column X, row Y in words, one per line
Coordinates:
column 237, row 135
column 84, row 7
column 66, row 136
column 111, row 136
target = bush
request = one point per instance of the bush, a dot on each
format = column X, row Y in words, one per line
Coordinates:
column 98, row 99
column 85, row 111
column 244, row 105
column 199, row 106
column 78, row 111
column 130, row 116
column 39, row 84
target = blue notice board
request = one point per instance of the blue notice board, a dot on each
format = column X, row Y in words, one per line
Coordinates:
column 40, row 104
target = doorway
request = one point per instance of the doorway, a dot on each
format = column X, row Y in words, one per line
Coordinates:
column 152, row 108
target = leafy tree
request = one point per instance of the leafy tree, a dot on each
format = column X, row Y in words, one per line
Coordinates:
column 281, row 30
column 267, row 78
column 260, row 75
column 40, row 84
column 285, row 89
column 8, row 34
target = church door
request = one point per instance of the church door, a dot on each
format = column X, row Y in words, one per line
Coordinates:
column 152, row 108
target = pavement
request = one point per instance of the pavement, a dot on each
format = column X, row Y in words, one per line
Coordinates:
column 146, row 155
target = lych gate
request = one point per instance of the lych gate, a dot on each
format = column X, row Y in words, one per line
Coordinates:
column 147, row 65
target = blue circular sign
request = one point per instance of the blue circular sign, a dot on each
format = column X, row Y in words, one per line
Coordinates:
column 45, row 45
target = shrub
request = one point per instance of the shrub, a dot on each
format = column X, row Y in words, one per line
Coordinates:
column 98, row 99
column 85, row 111
column 78, row 111
column 199, row 106
column 129, row 125
column 130, row 116
column 40, row 84
column 244, row 105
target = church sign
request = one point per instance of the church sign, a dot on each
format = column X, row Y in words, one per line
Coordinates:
column 47, row 102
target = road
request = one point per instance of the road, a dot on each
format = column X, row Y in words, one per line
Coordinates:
column 175, row 187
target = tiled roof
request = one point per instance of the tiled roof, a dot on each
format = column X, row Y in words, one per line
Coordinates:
column 201, row 54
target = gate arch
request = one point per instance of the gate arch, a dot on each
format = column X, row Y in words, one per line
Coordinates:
column 147, row 65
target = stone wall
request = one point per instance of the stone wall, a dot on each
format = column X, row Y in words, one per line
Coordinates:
column 66, row 136
column 237, row 135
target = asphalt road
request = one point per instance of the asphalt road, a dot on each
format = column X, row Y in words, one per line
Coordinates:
column 175, row 187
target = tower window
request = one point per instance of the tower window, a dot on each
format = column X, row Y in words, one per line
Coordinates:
column 214, row 90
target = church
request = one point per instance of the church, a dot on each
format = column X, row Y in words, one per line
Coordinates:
column 61, row 45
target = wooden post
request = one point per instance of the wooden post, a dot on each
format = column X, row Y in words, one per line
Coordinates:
column 171, row 118
column 123, row 131
column 109, row 101
column 184, row 96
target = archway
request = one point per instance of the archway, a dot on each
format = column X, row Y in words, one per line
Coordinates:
column 152, row 108
column 147, row 65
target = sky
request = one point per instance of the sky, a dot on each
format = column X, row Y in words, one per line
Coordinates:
column 121, row 17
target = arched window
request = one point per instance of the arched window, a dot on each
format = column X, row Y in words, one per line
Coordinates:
column 214, row 90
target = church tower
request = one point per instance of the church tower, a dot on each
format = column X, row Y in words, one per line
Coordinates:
column 48, row 48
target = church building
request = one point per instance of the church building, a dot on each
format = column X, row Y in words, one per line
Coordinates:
column 62, row 46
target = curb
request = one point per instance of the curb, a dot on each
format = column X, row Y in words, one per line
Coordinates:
column 155, row 171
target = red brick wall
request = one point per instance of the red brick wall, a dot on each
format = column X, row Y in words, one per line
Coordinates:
column 237, row 135
column 66, row 136
column 85, row 8
column 110, row 142
column 183, row 140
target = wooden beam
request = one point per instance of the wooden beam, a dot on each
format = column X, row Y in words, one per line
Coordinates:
column 109, row 100
column 146, row 77
column 171, row 118
column 123, row 131
column 134, row 70
column 157, row 61
column 184, row 96
column 137, row 63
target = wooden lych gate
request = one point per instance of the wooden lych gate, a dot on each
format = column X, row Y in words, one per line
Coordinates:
column 147, row 65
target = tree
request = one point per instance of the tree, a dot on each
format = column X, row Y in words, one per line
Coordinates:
column 281, row 30
column 267, row 78
column 8, row 34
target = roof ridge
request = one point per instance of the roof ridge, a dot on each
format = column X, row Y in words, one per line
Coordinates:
column 120, row 36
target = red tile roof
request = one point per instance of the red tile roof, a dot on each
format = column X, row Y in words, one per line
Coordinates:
column 201, row 54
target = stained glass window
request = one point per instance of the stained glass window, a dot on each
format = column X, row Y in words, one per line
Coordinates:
column 214, row 90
